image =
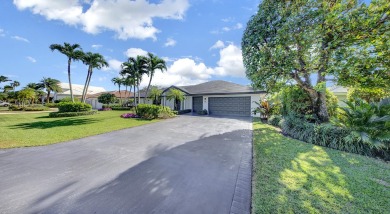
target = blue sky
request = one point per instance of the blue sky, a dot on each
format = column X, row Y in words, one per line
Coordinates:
column 199, row 39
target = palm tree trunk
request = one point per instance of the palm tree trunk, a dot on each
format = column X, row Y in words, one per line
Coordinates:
column 147, row 89
column 120, row 95
column 70, row 82
column 135, row 99
column 89, row 80
column 139, row 94
column 48, row 96
column 85, row 86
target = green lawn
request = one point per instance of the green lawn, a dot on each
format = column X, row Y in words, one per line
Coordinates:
column 21, row 130
column 291, row 176
column 3, row 108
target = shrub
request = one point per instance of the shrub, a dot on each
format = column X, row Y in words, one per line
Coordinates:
column 105, row 109
column 106, row 98
column 67, row 100
column 52, row 105
column 202, row 112
column 73, row 107
column 274, row 120
column 185, row 111
column 15, row 108
column 36, row 108
column 330, row 136
column 72, row 114
column 121, row 108
column 166, row 112
column 148, row 111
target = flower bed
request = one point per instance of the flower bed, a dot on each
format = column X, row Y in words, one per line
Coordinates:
column 129, row 115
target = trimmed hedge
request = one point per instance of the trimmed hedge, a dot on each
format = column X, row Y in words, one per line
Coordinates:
column 72, row 114
column 73, row 107
column 28, row 108
column 148, row 111
column 52, row 105
column 121, row 108
column 330, row 136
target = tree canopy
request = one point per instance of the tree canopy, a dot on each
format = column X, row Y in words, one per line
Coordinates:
column 294, row 42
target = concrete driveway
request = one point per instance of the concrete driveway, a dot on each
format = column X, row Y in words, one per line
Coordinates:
column 184, row 165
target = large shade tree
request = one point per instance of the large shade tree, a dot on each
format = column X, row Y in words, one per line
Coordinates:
column 51, row 85
column 92, row 60
column 72, row 52
column 294, row 42
column 153, row 63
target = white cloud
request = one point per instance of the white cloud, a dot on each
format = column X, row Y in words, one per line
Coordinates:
column 2, row 34
column 134, row 52
column 19, row 38
column 170, row 42
column 102, row 79
column 114, row 65
column 129, row 19
column 96, row 47
column 31, row 59
column 237, row 26
column 230, row 62
column 218, row 45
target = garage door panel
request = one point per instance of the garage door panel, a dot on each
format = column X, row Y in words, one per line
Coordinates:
column 232, row 106
column 197, row 104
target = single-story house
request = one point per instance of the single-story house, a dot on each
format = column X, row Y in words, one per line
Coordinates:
column 77, row 91
column 93, row 98
column 340, row 92
column 218, row 98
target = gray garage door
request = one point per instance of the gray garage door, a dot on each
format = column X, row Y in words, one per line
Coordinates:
column 233, row 106
column 197, row 104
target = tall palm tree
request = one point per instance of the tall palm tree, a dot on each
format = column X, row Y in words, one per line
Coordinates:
column 50, row 85
column 118, row 81
column 35, row 86
column 92, row 60
column 73, row 52
column 177, row 96
column 154, row 63
column 15, row 84
column 135, row 68
column 128, row 81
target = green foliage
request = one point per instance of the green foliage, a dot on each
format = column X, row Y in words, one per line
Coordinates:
column 72, row 114
column 369, row 122
column 155, row 95
column 368, row 94
column 202, row 112
column 28, row 108
column 185, row 111
column 68, row 99
column 74, row 107
column 166, row 112
column 296, row 101
column 267, row 108
column 106, row 98
column 148, row 111
column 15, row 108
column 121, row 108
column 177, row 96
column 26, row 94
column 331, row 103
column 275, row 120
column 52, row 105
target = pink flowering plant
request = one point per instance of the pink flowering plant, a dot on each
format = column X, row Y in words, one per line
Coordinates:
column 129, row 115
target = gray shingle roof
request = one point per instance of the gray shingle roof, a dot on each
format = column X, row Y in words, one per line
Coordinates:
column 216, row 87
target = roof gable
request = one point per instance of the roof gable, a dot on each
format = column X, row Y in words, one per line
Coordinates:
column 217, row 87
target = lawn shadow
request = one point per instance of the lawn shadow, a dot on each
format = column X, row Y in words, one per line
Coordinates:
column 55, row 123
column 296, row 176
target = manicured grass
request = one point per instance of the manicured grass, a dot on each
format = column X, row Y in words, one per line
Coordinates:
column 291, row 176
column 22, row 130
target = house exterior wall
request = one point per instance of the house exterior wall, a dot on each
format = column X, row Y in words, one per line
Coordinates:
column 94, row 103
column 341, row 98
column 254, row 97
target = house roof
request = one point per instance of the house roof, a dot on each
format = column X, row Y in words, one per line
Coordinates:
column 123, row 93
column 215, row 87
column 78, row 89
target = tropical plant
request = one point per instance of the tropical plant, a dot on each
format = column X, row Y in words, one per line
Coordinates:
column 134, row 68
column 128, row 82
column 14, row 84
column 155, row 95
column 106, row 98
column 73, row 52
column 368, row 94
column 118, row 81
column 35, row 86
column 92, row 60
column 153, row 63
column 7, row 88
column 287, row 41
column 4, row 79
column 267, row 108
column 27, row 94
column 177, row 96
column 369, row 122
column 50, row 85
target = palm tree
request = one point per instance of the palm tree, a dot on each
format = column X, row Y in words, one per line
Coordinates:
column 50, row 85
column 34, row 86
column 15, row 84
column 118, row 81
column 4, row 79
column 135, row 68
column 93, row 60
column 155, row 95
column 73, row 52
column 128, row 81
column 177, row 96
column 154, row 63
column 8, row 88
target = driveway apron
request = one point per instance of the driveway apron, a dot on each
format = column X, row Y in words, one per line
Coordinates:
column 188, row 164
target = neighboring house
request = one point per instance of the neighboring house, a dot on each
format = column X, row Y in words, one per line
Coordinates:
column 77, row 91
column 340, row 92
column 93, row 98
column 218, row 98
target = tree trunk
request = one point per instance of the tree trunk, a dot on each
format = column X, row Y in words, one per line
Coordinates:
column 147, row 89
column 318, row 100
column 120, row 95
column 48, row 96
column 134, row 101
column 70, row 82
column 85, row 86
